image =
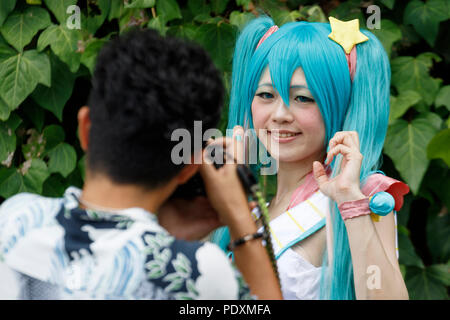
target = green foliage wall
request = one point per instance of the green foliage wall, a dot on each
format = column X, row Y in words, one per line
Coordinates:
column 45, row 68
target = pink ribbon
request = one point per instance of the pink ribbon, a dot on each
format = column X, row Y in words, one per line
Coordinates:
column 266, row 35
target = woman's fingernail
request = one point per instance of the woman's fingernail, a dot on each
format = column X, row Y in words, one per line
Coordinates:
column 238, row 137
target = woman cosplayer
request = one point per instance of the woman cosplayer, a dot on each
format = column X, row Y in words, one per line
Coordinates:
column 320, row 92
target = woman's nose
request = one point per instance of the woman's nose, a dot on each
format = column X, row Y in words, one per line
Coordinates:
column 282, row 113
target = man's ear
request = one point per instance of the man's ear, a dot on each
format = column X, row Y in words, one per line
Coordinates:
column 84, row 126
column 187, row 172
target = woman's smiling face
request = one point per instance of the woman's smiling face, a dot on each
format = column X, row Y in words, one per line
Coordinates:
column 298, row 130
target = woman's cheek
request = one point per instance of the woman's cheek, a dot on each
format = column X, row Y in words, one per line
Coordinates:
column 259, row 115
column 311, row 123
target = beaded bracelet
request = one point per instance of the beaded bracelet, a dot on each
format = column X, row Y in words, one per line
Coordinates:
column 244, row 239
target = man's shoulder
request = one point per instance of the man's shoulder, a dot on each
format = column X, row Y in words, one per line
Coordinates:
column 28, row 203
column 189, row 270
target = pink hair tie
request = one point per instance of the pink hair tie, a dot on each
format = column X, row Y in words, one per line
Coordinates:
column 351, row 61
column 266, row 35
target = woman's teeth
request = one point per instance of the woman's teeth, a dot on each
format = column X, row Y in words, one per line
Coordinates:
column 284, row 135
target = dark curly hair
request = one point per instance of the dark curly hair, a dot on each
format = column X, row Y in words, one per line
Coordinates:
column 144, row 87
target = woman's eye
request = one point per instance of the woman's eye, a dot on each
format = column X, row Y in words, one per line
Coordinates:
column 265, row 95
column 303, row 99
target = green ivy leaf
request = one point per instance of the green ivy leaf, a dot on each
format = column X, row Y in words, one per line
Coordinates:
column 54, row 186
column 20, row 27
column 7, row 144
column 63, row 159
column 95, row 21
column 432, row 118
column 158, row 24
column 186, row 31
column 438, row 232
column 6, row 7
column 439, row 146
column 132, row 18
column 53, row 135
column 198, row 7
column 35, row 145
column 140, row 4
column 425, row 17
column 409, row 73
column 405, row 143
column 62, row 156
column 244, row 3
column 89, row 56
column 218, row 6
column 349, row 10
column 4, row 110
column 34, row 174
column 407, row 253
column 64, row 43
column 388, row 3
column 54, row 98
column 388, row 34
column 168, row 9
column 116, row 9
column 28, row 178
column 20, row 74
column 240, row 19
column 34, row 112
column 10, row 182
column 59, row 8
column 443, row 97
column 401, row 103
column 218, row 40
column 281, row 17
column 427, row 283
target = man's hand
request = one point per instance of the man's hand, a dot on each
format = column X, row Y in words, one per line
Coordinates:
column 190, row 220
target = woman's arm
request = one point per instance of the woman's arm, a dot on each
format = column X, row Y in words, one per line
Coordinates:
column 375, row 267
column 372, row 244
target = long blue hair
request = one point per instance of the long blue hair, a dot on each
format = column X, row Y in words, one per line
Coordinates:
column 361, row 105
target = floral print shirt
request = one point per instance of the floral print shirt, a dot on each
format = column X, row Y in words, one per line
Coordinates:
column 52, row 249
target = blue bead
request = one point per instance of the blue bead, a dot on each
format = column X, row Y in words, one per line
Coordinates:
column 382, row 203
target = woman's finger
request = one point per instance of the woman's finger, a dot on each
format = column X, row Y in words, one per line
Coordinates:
column 342, row 149
column 238, row 144
column 319, row 173
column 348, row 138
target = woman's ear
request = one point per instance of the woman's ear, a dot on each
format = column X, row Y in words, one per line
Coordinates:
column 84, row 126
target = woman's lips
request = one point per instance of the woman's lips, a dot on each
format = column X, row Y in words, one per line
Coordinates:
column 283, row 136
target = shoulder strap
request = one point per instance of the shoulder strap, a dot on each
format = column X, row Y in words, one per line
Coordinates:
column 299, row 222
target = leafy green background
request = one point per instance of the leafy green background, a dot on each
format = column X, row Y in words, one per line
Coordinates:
column 45, row 71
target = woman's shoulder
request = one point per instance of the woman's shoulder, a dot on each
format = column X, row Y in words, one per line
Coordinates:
column 378, row 182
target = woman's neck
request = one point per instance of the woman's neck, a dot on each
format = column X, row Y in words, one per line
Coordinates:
column 292, row 174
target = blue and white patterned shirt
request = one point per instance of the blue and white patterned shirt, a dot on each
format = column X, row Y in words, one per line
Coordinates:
column 52, row 249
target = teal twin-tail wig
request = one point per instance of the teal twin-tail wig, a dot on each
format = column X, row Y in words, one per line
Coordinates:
column 361, row 105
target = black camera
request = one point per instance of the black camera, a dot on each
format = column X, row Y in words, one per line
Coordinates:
column 195, row 186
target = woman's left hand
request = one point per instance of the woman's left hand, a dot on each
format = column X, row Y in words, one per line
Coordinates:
column 346, row 185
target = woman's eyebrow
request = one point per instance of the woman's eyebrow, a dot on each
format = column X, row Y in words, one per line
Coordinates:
column 299, row 86
column 265, row 84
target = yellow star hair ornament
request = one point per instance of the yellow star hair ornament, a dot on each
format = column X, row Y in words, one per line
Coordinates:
column 346, row 33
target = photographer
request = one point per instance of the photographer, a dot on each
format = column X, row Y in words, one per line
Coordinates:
column 119, row 237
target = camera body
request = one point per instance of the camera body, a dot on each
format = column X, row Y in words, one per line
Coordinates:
column 195, row 187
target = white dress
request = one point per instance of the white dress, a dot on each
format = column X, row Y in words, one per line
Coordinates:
column 300, row 280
